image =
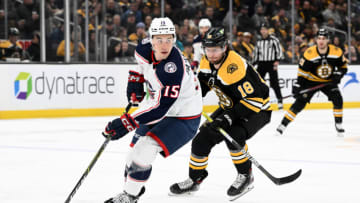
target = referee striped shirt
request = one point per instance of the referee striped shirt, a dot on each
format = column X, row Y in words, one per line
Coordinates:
column 268, row 49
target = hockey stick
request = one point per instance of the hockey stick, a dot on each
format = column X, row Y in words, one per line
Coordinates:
column 93, row 161
column 277, row 181
column 307, row 90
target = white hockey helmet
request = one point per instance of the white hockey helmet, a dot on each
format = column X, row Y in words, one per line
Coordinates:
column 204, row 22
column 162, row 26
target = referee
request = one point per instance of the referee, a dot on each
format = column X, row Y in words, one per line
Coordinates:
column 267, row 55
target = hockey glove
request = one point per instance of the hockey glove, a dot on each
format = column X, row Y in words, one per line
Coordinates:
column 120, row 126
column 224, row 121
column 194, row 65
column 135, row 88
column 336, row 77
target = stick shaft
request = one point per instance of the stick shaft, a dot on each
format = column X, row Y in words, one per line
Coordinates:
column 307, row 90
column 277, row 181
column 92, row 163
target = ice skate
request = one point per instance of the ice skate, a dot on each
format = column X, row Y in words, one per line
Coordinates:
column 186, row 187
column 339, row 129
column 280, row 130
column 242, row 185
column 124, row 197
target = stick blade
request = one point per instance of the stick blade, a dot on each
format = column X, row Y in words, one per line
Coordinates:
column 287, row 179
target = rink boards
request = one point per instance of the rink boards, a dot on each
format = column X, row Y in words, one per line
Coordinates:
column 67, row 90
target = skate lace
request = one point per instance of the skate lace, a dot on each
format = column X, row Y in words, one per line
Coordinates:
column 186, row 184
column 240, row 179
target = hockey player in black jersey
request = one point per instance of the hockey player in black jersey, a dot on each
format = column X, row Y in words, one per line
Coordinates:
column 322, row 63
column 243, row 111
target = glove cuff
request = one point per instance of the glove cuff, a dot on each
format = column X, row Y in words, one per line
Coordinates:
column 129, row 122
column 136, row 77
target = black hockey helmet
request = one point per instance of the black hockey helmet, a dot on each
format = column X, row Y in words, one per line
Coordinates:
column 13, row 31
column 322, row 32
column 264, row 25
column 215, row 37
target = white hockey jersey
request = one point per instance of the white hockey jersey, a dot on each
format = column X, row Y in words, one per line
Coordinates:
column 198, row 51
column 173, row 88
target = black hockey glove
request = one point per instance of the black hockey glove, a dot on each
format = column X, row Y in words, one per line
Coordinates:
column 336, row 77
column 120, row 127
column 224, row 121
column 135, row 88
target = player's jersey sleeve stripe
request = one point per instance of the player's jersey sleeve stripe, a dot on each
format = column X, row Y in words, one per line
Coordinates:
column 250, row 106
column 254, row 103
column 261, row 103
column 303, row 73
column 256, row 99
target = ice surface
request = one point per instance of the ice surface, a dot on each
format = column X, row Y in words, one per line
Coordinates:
column 41, row 160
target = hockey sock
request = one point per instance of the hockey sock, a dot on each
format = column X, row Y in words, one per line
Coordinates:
column 288, row 118
column 240, row 161
column 137, row 176
column 338, row 115
column 197, row 166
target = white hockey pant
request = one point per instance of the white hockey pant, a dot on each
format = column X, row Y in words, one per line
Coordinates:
column 138, row 162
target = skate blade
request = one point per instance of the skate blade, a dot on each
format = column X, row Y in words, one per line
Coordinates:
column 190, row 193
column 233, row 198
column 278, row 134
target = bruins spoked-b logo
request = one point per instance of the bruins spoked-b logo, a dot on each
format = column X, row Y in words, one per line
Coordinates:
column 324, row 70
column 232, row 68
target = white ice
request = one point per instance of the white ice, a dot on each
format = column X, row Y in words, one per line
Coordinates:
column 41, row 160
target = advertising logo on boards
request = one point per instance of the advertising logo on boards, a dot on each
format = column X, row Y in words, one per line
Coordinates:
column 23, row 85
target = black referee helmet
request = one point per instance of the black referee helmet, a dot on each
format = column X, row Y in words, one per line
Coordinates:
column 215, row 37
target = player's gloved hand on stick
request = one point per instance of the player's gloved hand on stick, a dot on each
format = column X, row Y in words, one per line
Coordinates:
column 135, row 88
column 120, row 126
column 336, row 77
column 224, row 121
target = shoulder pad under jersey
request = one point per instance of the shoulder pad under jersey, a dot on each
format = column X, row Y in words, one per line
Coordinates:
column 143, row 50
column 233, row 69
column 311, row 53
column 334, row 51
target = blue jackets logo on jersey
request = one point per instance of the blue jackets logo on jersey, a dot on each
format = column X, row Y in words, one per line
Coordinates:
column 170, row 67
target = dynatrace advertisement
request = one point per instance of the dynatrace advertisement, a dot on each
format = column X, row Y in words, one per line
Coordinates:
column 78, row 86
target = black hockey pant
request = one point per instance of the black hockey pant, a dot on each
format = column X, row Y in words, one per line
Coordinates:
column 331, row 91
column 207, row 138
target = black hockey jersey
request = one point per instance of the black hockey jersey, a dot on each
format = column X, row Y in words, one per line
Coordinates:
column 236, row 83
column 318, row 68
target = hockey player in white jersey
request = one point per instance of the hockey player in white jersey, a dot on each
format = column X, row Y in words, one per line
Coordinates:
column 204, row 26
column 168, row 119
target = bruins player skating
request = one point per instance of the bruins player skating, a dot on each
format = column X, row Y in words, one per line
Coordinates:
column 243, row 111
column 321, row 63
